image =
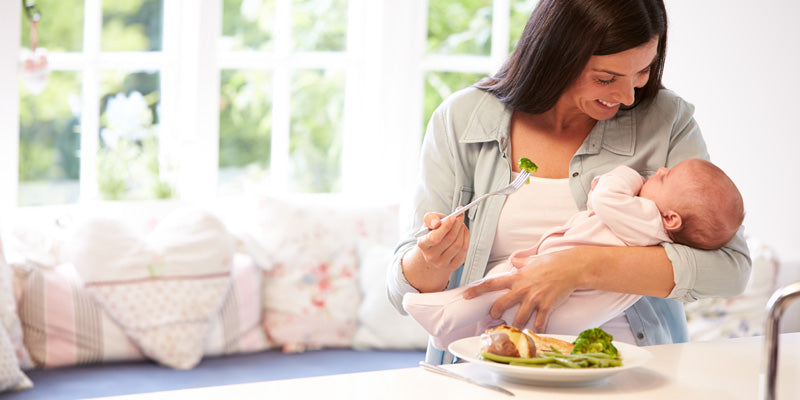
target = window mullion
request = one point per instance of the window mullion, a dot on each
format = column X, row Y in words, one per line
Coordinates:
column 90, row 93
column 9, row 104
column 281, row 97
column 196, row 132
column 501, row 20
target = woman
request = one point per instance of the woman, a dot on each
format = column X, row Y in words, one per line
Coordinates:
column 580, row 95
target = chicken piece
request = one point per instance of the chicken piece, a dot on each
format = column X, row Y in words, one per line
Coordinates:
column 543, row 343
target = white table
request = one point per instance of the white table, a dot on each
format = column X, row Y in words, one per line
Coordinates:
column 727, row 369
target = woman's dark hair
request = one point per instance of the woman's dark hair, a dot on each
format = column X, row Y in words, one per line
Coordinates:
column 559, row 39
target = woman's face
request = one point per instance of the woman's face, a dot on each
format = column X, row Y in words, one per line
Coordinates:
column 608, row 81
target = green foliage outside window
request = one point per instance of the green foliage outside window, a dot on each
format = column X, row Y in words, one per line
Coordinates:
column 317, row 96
column 248, row 25
column 464, row 27
column 131, row 164
column 61, row 25
column 132, row 25
column 520, row 13
column 245, row 118
column 50, row 121
column 319, row 25
column 440, row 85
column 460, row 27
column 315, row 145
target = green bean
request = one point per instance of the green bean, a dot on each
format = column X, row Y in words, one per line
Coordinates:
column 508, row 360
column 528, row 364
column 577, row 356
column 558, row 360
column 566, row 363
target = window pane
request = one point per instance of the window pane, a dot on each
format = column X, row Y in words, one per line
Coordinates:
column 60, row 27
column 132, row 25
column 245, row 129
column 131, row 162
column 460, row 27
column 440, row 85
column 315, row 144
column 520, row 13
column 248, row 25
column 49, row 142
column 320, row 25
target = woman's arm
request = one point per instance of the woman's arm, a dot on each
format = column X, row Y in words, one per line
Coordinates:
column 425, row 264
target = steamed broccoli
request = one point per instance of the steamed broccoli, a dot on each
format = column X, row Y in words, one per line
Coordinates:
column 595, row 340
column 526, row 164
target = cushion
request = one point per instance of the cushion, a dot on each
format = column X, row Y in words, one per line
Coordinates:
column 380, row 325
column 307, row 246
column 11, row 376
column 12, row 350
column 164, row 288
column 187, row 242
column 64, row 325
column 738, row 316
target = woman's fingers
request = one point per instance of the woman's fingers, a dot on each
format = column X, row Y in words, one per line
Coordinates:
column 445, row 246
column 488, row 285
column 433, row 220
column 526, row 310
column 540, row 323
column 538, row 285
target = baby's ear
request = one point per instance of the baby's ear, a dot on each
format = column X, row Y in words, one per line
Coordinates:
column 672, row 221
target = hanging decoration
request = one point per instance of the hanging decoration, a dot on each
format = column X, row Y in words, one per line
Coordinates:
column 34, row 67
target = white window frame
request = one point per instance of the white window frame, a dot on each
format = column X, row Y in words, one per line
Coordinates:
column 385, row 64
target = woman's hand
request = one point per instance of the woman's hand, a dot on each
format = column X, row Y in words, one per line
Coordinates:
column 538, row 284
column 427, row 266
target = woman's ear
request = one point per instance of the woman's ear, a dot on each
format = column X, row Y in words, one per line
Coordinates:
column 672, row 221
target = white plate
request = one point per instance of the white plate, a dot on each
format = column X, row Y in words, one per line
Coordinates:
column 468, row 349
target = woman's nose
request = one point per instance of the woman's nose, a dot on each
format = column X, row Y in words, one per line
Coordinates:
column 628, row 91
column 628, row 96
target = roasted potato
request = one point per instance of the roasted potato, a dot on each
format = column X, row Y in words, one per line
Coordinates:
column 508, row 341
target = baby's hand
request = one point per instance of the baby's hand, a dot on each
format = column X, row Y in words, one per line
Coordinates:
column 594, row 182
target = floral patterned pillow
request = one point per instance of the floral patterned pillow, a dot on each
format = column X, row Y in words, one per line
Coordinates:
column 308, row 250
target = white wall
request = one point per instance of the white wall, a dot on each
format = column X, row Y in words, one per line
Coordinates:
column 738, row 62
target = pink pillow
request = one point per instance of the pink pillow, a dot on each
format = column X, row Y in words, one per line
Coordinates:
column 307, row 245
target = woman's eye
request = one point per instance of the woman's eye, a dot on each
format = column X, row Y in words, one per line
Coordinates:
column 605, row 81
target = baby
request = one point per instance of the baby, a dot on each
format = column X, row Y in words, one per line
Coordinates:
column 693, row 203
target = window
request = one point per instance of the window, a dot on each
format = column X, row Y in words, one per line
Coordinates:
column 153, row 99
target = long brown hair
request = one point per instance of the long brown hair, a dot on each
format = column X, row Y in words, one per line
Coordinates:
column 559, row 39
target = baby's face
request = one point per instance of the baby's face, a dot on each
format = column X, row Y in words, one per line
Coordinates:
column 664, row 187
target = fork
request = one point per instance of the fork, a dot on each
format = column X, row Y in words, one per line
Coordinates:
column 508, row 189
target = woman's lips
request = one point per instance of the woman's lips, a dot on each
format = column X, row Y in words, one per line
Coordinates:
column 607, row 104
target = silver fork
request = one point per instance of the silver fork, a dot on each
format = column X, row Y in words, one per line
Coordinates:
column 508, row 189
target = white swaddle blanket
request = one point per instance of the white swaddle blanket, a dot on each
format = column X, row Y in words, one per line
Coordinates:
column 448, row 317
